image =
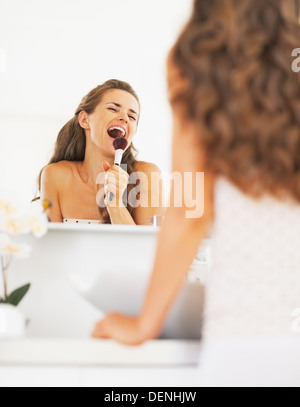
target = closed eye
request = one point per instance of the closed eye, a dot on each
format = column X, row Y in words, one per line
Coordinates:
column 115, row 110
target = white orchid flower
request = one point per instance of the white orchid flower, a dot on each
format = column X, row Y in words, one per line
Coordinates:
column 38, row 224
column 17, row 218
column 8, row 202
column 17, row 225
column 9, row 248
column 8, row 208
column 27, row 219
column 37, row 220
column 2, row 222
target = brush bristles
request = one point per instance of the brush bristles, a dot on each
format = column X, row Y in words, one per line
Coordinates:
column 120, row 143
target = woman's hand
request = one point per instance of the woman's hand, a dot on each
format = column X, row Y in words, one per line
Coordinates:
column 122, row 329
column 116, row 181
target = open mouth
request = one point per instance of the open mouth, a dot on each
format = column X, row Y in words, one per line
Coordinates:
column 116, row 131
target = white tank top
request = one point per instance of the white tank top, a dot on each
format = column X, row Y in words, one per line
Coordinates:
column 83, row 221
column 254, row 282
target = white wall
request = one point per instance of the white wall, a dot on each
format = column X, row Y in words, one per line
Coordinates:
column 58, row 51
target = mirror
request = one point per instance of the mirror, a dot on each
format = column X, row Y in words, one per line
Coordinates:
column 52, row 54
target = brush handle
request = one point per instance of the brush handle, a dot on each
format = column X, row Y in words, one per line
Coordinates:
column 111, row 195
column 118, row 159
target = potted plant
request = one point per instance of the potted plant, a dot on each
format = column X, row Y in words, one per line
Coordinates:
column 16, row 219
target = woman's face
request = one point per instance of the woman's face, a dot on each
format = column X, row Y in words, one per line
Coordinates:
column 117, row 109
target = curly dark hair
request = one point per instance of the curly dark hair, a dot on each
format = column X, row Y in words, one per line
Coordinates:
column 241, row 92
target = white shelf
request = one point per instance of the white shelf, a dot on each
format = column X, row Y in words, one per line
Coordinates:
column 115, row 229
column 98, row 353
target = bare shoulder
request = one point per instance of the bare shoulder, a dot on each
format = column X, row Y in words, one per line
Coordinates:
column 61, row 171
column 55, row 179
column 146, row 167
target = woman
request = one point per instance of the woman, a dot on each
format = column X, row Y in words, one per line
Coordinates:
column 236, row 107
column 84, row 150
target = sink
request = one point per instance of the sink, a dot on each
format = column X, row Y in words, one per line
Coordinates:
column 80, row 272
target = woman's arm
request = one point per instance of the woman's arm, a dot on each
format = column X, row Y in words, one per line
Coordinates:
column 116, row 183
column 151, row 194
column 178, row 244
column 179, row 240
column 120, row 216
column 49, row 181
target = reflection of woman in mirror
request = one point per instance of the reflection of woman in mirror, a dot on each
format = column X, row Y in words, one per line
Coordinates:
column 236, row 109
column 84, row 149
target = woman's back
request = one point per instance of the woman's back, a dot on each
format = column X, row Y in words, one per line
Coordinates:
column 252, row 291
column 254, row 285
column 236, row 107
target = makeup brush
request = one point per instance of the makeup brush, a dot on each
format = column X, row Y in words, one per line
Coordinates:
column 120, row 144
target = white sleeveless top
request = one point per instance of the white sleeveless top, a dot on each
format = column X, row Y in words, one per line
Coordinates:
column 253, row 294
column 254, row 282
column 83, row 221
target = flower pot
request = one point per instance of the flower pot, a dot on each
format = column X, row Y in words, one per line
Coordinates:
column 12, row 322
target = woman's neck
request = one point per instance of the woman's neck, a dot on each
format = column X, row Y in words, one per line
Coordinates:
column 92, row 165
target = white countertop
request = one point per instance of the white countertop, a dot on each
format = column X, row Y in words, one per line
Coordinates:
column 114, row 229
column 90, row 352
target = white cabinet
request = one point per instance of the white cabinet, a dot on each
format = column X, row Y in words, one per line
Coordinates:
column 92, row 363
column 47, row 376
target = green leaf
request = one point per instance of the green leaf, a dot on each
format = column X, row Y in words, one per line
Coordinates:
column 16, row 296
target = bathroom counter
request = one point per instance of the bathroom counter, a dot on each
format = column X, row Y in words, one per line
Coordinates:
column 87, row 362
column 89, row 352
column 60, row 304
